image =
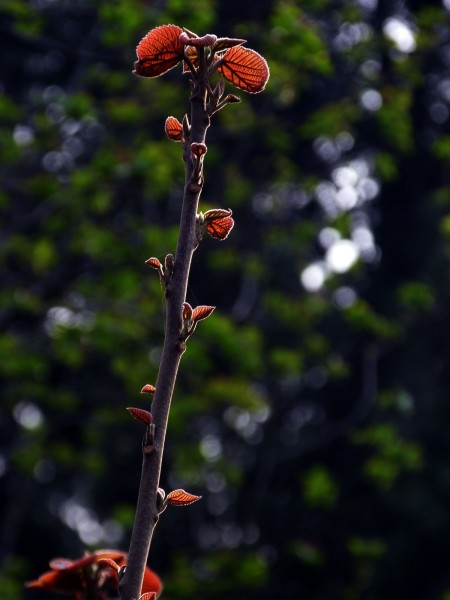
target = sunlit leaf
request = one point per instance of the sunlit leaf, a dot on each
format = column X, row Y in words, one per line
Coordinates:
column 202, row 312
column 174, row 129
column 218, row 223
column 154, row 263
column 245, row 68
column 181, row 498
column 148, row 389
column 142, row 416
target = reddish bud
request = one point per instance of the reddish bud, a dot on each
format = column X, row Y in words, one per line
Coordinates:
column 154, row 263
column 148, row 389
column 198, row 149
column 148, row 596
column 181, row 498
column 190, row 53
column 141, row 415
column 169, row 262
column 173, row 129
column 187, row 311
column 201, row 312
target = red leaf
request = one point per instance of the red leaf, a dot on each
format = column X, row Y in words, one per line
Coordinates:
column 151, row 583
column 202, row 312
column 72, row 576
column 148, row 389
column 159, row 51
column 245, row 68
column 220, row 228
column 181, row 498
column 141, row 415
column 64, row 582
column 154, row 263
column 174, row 129
column 148, row 596
column 217, row 213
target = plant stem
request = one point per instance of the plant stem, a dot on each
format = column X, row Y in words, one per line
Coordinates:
column 146, row 511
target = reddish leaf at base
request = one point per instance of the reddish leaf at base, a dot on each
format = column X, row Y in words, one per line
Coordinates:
column 97, row 569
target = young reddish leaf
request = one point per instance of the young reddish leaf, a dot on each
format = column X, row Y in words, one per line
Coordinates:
column 245, row 68
column 159, row 51
column 220, row 228
column 148, row 389
column 181, row 498
column 187, row 311
column 154, row 263
column 224, row 43
column 232, row 99
column 219, row 223
column 174, row 129
column 201, row 312
column 73, row 576
column 63, row 582
column 141, row 415
column 217, row 213
column 198, row 149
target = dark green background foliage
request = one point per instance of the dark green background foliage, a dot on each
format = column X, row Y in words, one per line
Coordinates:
column 312, row 417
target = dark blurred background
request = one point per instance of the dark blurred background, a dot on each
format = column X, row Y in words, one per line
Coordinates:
column 312, row 409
